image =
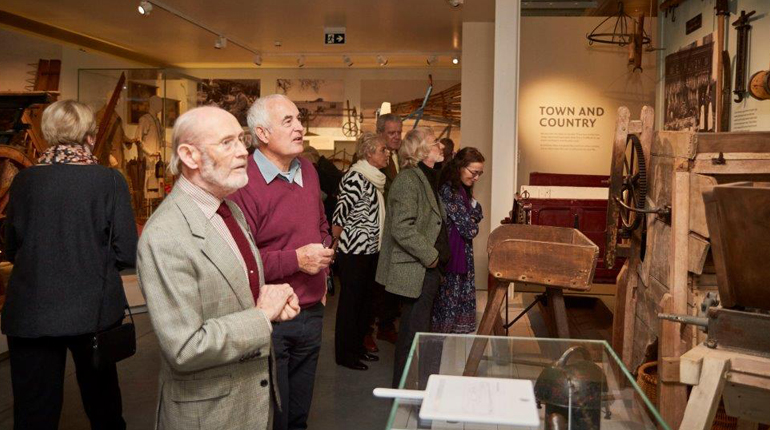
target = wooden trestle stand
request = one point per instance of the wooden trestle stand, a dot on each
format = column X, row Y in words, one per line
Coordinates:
column 554, row 257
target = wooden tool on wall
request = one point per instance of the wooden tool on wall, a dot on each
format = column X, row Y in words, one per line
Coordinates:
column 722, row 114
column 670, row 6
column 636, row 45
column 101, row 135
column 743, row 28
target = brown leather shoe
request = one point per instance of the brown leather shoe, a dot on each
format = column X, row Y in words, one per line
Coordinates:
column 369, row 344
column 387, row 335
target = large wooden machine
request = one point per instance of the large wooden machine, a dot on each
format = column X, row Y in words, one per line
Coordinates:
column 733, row 362
column 673, row 265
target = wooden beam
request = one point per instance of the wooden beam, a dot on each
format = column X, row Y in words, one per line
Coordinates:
column 59, row 34
column 704, row 399
column 672, row 396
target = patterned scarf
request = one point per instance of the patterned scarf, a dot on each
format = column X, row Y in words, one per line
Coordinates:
column 67, row 154
column 377, row 179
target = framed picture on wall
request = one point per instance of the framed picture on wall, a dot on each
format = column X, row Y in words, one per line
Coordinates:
column 232, row 95
column 319, row 101
column 139, row 100
column 170, row 112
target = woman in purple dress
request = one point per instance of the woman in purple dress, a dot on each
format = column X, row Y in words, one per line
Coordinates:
column 454, row 310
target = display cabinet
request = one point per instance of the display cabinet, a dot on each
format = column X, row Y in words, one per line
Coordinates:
column 578, row 384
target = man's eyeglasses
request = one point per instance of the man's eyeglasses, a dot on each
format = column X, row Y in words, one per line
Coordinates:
column 328, row 241
column 229, row 143
column 474, row 173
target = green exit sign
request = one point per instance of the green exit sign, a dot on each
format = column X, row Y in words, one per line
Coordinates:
column 334, row 36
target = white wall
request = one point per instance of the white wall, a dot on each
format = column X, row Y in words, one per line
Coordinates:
column 559, row 70
column 505, row 107
column 18, row 50
column 673, row 38
column 477, row 102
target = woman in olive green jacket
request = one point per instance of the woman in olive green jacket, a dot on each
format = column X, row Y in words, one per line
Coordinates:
column 414, row 243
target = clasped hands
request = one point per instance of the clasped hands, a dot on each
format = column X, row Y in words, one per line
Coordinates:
column 279, row 302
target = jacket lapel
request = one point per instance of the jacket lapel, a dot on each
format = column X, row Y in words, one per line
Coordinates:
column 215, row 248
column 429, row 191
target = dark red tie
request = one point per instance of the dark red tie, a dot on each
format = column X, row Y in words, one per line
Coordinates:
column 243, row 245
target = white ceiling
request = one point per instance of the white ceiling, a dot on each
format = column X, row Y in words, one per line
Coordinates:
column 402, row 30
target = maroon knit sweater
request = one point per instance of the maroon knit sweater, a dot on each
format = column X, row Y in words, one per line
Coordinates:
column 282, row 218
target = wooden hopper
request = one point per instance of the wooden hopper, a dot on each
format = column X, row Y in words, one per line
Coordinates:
column 543, row 255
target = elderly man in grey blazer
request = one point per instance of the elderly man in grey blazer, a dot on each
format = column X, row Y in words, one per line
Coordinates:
column 203, row 280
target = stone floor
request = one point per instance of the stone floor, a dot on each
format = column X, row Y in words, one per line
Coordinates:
column 342, row 398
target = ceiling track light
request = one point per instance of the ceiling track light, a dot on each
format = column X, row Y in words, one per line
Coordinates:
column 257, row 59
column 144, row 8
column 346, row 59
column 455, row 60
column 382, row 61
column 221, row 42
column 301, row 61
column 432, row 60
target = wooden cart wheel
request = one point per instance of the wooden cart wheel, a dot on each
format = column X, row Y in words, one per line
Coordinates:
column 633, row 192
column 350, row 129
column 628, row 189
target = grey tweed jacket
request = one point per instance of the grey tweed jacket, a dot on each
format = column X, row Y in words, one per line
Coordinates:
column 215, row 345
column 412, row 225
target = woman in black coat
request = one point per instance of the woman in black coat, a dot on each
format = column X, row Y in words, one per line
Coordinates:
column 59, row 216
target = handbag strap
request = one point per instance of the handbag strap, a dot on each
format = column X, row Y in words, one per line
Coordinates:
column 107, row 257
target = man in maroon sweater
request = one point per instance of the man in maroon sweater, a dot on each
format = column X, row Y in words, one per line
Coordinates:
column 282, row 204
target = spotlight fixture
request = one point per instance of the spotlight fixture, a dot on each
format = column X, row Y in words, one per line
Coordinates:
column 455, row 3
column 455, row 60
column 432, row 60
column 382, row 61
column 221, row 42
column 346, row 59
column 145, row 8
column 301, row 61
column 257, row 59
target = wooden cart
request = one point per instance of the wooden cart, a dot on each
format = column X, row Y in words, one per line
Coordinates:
column 555, row 257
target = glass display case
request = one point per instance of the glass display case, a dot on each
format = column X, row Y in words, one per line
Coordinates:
column 138, row 132
column 578, row 384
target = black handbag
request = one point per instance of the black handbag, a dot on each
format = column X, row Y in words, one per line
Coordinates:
column 118, row 342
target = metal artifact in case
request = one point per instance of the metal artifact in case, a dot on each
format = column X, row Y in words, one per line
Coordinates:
column 579, row 378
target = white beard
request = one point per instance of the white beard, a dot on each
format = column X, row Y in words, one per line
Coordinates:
column 221, row 178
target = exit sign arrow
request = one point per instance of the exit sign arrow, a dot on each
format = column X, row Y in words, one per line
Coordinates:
column 334, row 36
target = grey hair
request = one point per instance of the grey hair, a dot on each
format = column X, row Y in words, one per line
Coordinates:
column 259, row 114
column 367, row 144
column 185, row 132
column 67, row 122
column 385, row 118
column 413, row 147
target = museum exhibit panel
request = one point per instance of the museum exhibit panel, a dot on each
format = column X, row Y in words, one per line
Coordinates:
column 619, row 267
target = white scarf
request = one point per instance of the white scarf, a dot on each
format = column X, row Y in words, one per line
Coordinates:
column 377, row 178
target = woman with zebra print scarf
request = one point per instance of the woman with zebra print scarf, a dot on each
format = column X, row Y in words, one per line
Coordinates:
column 358, row 223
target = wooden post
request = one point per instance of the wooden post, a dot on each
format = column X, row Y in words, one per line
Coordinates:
column 673, row 396
column 705, row 396
column 496, row 298
column 618, row 316
column 556, row 300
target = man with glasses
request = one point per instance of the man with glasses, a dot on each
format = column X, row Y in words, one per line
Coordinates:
column 203, row 279
column 283, row 207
